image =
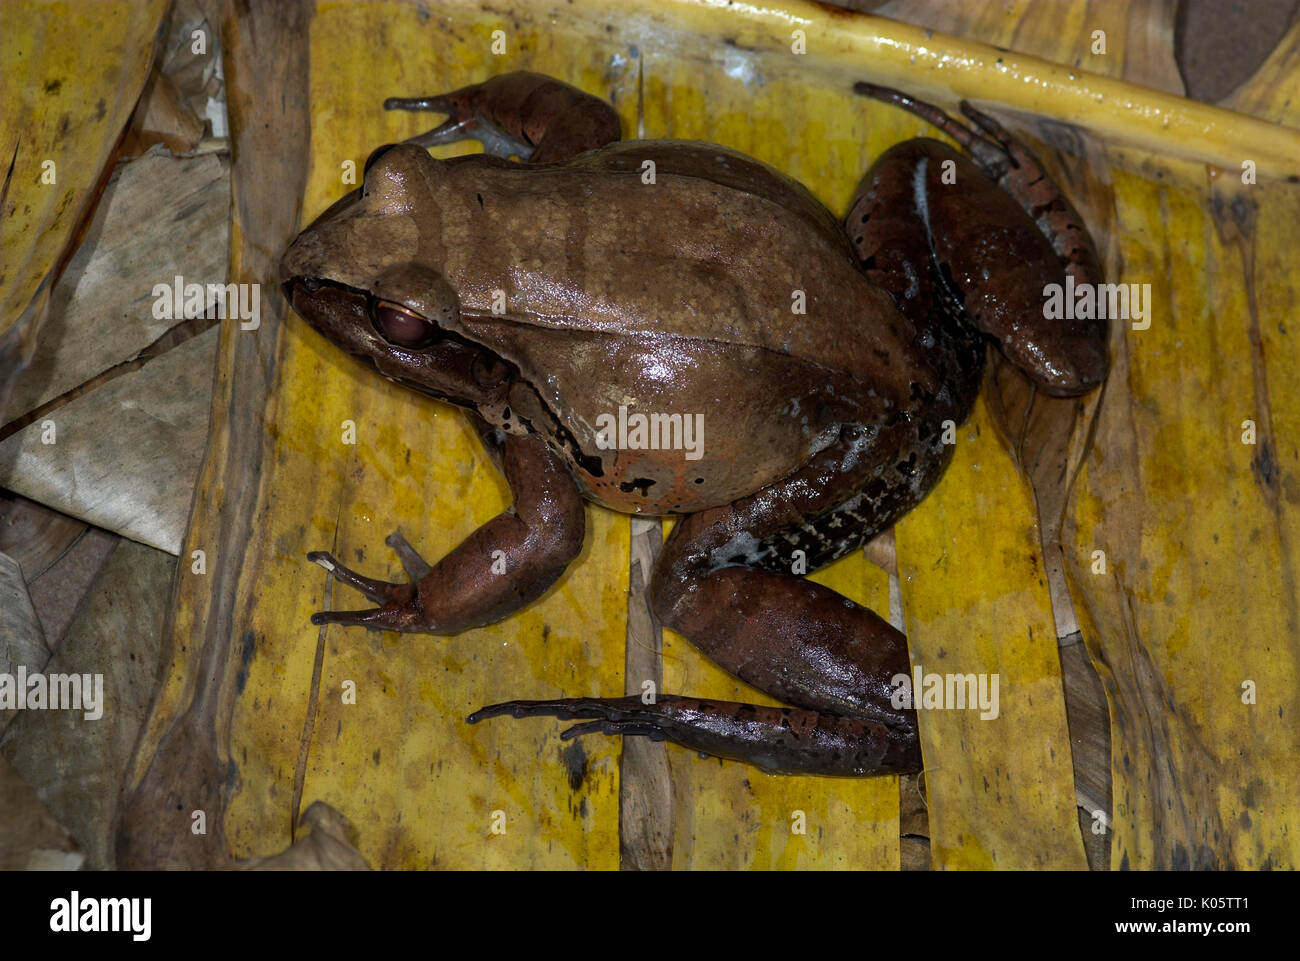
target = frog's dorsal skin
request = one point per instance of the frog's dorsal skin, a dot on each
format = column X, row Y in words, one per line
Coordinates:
column 692, row 277
column 812, row 368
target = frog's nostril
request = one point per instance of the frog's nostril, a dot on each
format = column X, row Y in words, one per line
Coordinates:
column 311, row 284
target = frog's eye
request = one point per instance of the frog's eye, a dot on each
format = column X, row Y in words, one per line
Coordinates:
column 403, row 327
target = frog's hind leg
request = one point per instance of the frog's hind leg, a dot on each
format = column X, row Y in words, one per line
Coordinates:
column 528, row 115
column 780, row 740
column 929, row 219
column 724, row 581
column 1017, row 171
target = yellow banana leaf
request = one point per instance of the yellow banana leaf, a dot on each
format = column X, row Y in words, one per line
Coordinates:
column 71, row 75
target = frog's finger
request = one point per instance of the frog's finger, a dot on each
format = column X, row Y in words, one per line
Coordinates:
column 438, row 104
column 460, row 123
column 465, row 121
column 527, row 115
column 449, row 131
column 387, row 618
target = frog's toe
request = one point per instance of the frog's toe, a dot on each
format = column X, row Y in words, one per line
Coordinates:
column 613, row 715
column 984, row 147
column 615, row 727
column 988, row 126
column 390, row 617
column 565, row 708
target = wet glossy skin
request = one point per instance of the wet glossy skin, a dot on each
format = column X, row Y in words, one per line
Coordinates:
column 821, row 362
column 676, row 298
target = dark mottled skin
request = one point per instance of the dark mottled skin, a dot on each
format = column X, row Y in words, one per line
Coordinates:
column 675, row 296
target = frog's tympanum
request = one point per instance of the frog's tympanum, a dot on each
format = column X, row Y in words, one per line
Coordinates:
column 671, row 327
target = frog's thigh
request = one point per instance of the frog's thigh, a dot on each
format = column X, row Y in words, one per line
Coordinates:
column 930, row 226
column 794, row 639
column 719, row 581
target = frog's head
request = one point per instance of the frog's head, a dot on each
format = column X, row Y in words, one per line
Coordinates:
column 351, row 275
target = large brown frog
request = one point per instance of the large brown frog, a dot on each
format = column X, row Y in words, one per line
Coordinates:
column 673, row 327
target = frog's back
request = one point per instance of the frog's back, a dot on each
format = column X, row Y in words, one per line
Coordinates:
column 722, row 292
column 719, row 247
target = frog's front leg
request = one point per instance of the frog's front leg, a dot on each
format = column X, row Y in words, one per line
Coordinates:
column 531, row 543
column 534, row 117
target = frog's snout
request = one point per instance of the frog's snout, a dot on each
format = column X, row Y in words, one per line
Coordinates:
column 300, row 261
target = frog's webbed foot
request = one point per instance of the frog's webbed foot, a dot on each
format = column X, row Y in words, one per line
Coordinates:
column 505, row 564
column 527, row 115
column 778, row 740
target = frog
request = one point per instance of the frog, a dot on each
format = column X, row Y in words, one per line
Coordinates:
column 566, row 280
